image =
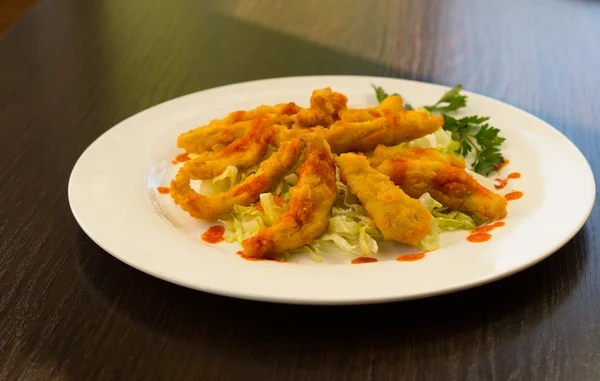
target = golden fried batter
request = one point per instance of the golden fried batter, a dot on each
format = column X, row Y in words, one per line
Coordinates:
column 450, row 186
column 382, row 153
column 365, row 136
column 399, row 217
column 392, row 104
column 325, row 107
column 388, row 130
column 247, row 192
column 242, row 153
column 310, row 205
column 232, row 127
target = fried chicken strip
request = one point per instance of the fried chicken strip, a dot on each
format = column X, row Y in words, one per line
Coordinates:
column 310, row 205
column 210, row 208
column 232, row 127
column 388, row 130
column 450, row 186
column 392, row 104
column 325, row 106
column 242, row 153
column 399, row 217
column 383, row 153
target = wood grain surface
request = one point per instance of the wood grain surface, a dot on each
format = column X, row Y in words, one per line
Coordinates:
column 72, row 69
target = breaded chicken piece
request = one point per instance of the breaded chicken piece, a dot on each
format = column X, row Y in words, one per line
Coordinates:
column 388, row 130
column 325, row 107
column 232, row 127
column 450, row 186
column 365, row 136
column 392, row 104
column 242, row 153
column 382, row 153
column 210, row 208
column 310, row 205
column 399, row 217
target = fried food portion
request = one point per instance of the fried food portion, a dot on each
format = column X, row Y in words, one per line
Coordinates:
column 390, row 129
column 392, row 104
column 242, row 153
column 325, row 106
column 232, row 127
column 382, row 153
column 210, row 208
column 450, row 186
column 399, row 217
column 310, row 205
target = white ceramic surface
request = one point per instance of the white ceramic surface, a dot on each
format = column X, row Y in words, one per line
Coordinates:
column 112, row 193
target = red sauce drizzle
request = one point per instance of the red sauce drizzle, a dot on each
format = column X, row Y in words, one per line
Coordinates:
column 278, row 200
column 359, row 260
column 502, row 165
column 514, row 195
column 411, row 257
column 214, row 234
column 488, row 228
column 482, row 234
column 163, row 190
column 481, row 237
column 503, row 182
column 181, row 158
column 259, row 207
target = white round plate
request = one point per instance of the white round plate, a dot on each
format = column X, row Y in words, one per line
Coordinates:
column 112, row 193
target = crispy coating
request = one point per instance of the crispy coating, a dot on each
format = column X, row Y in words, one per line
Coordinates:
column 210, row 208
column 450, row 186
column 325, row 107
column 232, row 127
column 382, row 153
column 242, row 153
column 365, row 136
column 392, row 104
column 399, row 217
column 310, row 205
column 388, row 130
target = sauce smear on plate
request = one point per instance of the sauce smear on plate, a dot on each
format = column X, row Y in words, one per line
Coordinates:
column 411, row 257
column 482, row 234
column 503, row 182
column 514, row 195
column 214, row 234
column 181, row 158
column 256, row 259
column 163, row 190
column 359, row 260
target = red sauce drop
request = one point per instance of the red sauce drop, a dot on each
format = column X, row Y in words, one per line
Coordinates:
column 482, row 234
column 502, row 165
column 411, row 257
column 259, row 207
column 359, row 260
column 181, row 158
column 174, row 162
column 214, row 234
column 480, row 237
column 278, row 200
column 514, row 195
column 488, row 228
column 503, row 182
column 163, row 190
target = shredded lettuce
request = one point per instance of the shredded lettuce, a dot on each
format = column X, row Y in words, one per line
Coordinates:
column 443, row 220
column 440, row 140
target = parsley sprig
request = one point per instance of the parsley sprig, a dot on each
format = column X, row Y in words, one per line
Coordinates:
column 452, row 100
column 472, row 133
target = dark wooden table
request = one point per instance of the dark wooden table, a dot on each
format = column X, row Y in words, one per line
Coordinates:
column 72, row 69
